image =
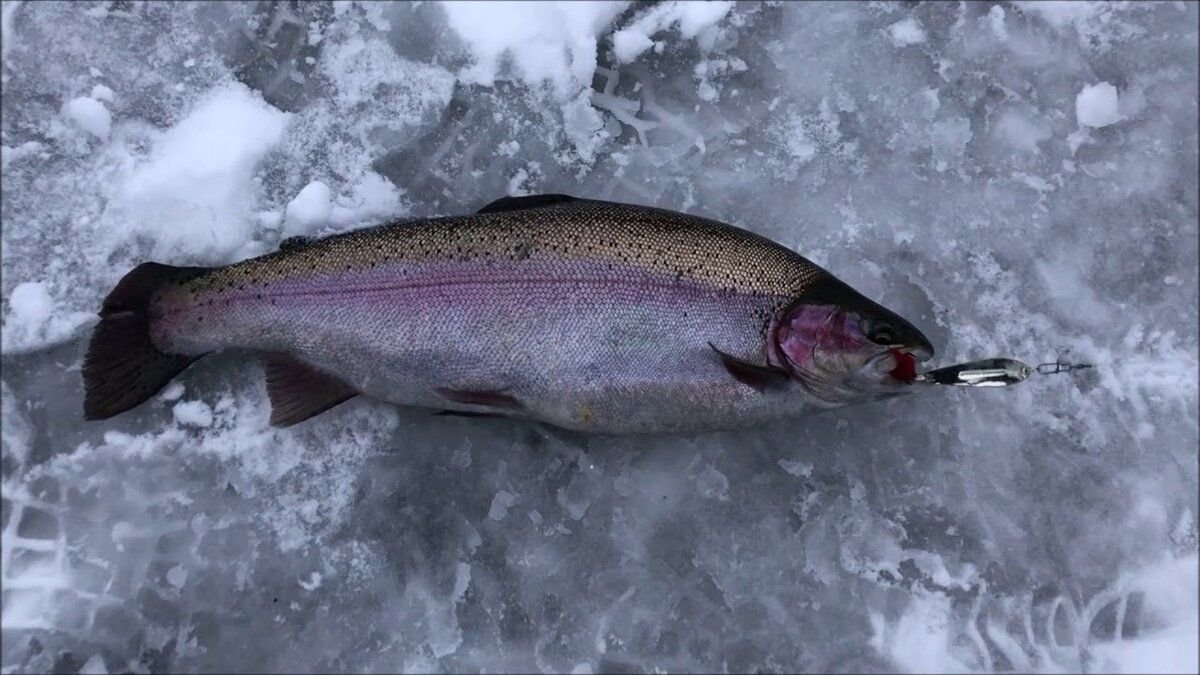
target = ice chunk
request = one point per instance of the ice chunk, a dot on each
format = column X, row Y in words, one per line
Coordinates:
column 94, row 666
column 177, row 576
column 193, row 414
column 102, row 93
column 906, row 32
column 309, row 210
column 500, row 504
column 90, row 115
column 462, row 580
column 1096, row 105
column 713, row 484
column 578, row 495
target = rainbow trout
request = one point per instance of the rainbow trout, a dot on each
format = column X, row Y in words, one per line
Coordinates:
column 588, row 315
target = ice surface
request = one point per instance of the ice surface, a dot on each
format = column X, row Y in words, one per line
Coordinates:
column 957, row 162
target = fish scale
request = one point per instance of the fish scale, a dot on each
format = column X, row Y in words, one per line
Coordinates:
column 589, row 315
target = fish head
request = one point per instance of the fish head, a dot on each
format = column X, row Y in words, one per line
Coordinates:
column 843, row 347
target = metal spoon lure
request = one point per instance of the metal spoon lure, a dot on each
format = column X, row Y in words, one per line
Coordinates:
column 993, row 372
column 982, row 373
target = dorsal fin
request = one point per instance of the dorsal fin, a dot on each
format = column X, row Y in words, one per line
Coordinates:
column 298, row 391
column 292, row 243
column 527, row 202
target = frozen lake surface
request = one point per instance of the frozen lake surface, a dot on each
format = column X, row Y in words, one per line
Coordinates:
column 1016, row 179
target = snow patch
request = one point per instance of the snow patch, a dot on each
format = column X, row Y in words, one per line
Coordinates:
column 9, row 155
column 906, row 32
column 1022, row 130
column 692, row 19
column 193, row 414
column 34, row 320
column 629, row 44
column 1062, row 13
column 16, row 434
column 373, row 198
column 7, row 37
column 547, row 42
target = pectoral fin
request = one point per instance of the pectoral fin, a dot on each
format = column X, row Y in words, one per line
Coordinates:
column 299, row 391
column 761, row 378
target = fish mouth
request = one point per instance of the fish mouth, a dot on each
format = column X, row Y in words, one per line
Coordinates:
column 898, row 364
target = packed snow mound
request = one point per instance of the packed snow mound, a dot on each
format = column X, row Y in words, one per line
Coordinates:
column 1016, row 179
column 309, row 210
column 195, row 191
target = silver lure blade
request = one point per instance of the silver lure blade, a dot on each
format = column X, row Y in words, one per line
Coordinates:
column 982, row 373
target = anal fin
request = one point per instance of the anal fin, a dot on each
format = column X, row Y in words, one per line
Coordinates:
column 752, row 375
column 299, row 391
column 468, row 413
column 487, row 398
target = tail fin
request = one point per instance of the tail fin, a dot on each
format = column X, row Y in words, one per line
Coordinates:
column 122, row 367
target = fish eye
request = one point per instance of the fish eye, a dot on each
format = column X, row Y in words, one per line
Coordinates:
column 881, row 333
